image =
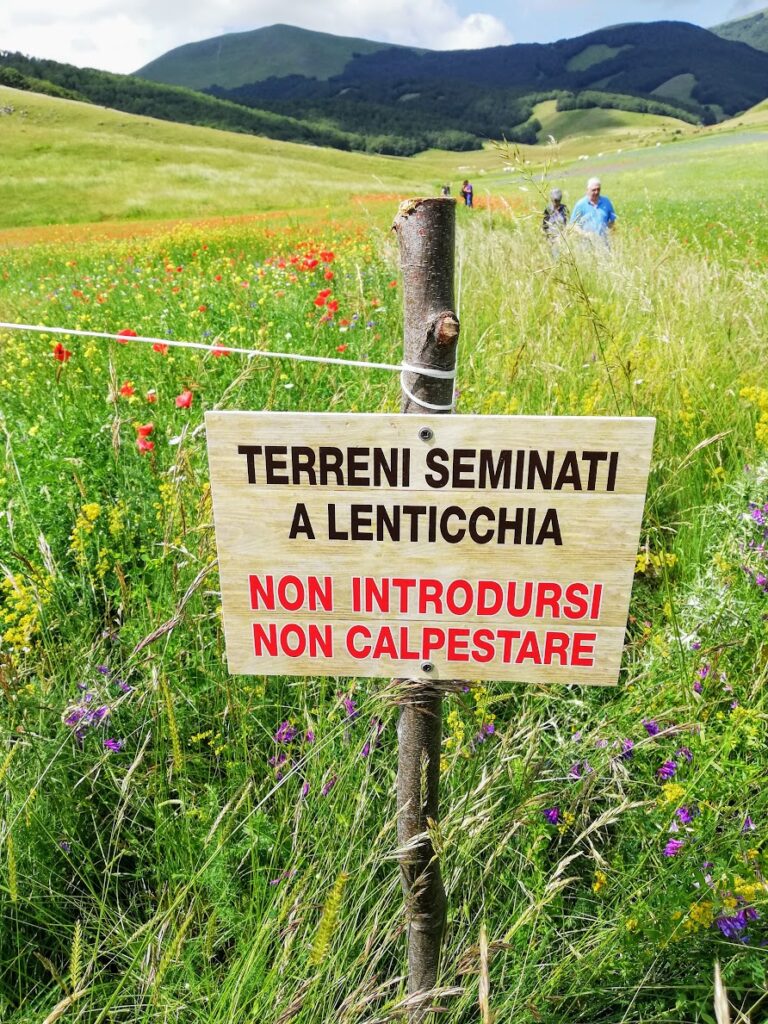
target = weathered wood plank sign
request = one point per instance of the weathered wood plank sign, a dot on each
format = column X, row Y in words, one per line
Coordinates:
column 454, row 547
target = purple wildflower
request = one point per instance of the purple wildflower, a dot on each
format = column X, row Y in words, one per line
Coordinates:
column 489, row 728
column 366, row 749
column 552, row 815
column 122, row 685
column 667, row 770
column 749, row 825
column 733, row 926
column 285, row 733
column 703, row 672
column 65, row 846
column 103, row 669
column 579, row 769
column 350, row 707
column 627, row 746
column 673, row 847
column 685, row 752
column 696, row 645
column 757, row 515
column 685, row 814
column 697, row 687
column 304, row 790
column 309, row 736
column 74, row 717
column 651, row 726
column 114, row 745
column 328, row 786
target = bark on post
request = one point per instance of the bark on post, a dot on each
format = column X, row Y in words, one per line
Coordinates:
column 425, row 231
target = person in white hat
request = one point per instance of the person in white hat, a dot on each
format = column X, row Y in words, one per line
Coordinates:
column 555, row 215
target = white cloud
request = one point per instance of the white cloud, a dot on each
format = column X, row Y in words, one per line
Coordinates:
column 123, row 36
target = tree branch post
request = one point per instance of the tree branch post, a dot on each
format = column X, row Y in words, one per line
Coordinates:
column 425, row 232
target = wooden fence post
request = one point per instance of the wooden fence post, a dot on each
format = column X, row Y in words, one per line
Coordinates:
column 425, row 232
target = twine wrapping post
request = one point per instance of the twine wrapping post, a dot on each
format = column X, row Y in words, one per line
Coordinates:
column 425, row 232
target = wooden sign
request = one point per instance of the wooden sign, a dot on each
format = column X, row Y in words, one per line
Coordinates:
column 440, row 547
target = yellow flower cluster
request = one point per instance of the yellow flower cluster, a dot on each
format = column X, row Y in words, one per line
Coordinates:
column 456, row 733
column 21, row 609
column 652, row 563
column 600, row 881
column 84, row 527
column 759, row 397
column 671, row 793
column 568, row 819
column 700, row 916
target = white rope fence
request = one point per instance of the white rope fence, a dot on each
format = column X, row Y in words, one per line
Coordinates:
column 218, row 347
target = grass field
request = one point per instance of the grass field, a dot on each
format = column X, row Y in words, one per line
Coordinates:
column 177, row 843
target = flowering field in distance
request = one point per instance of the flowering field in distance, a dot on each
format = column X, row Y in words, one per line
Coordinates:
column 179, row 844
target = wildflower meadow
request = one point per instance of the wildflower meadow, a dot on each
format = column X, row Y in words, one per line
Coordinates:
column 180, row 844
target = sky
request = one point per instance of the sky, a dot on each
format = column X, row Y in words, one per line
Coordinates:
column 124, row 35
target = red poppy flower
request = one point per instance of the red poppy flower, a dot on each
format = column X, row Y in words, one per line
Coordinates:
column 184, row 400
column 328, row 275
column 217, row 277
column 319, row 300
column 161, row 348
column 218, row 351
column 393, row 284
column 127, row 390
column 341, row 348
column 327, row 257
column 151, row 396
column 144, row 429
column 144, row 445
column 202, row 309
column 61, row 353
column 127, row 333
column 332, row 306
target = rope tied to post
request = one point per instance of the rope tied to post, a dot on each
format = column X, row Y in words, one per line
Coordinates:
column 218, row 348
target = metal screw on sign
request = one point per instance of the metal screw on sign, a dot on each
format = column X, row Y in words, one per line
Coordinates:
column 425, row 233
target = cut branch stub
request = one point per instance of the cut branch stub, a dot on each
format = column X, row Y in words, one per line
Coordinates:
column 426, row 234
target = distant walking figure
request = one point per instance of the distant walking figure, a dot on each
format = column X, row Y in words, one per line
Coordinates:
column 466, row 191
column 594, row 214
column 555, row 215
column 445, row 190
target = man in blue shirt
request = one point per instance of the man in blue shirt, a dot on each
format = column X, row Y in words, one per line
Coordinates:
column 594, row 213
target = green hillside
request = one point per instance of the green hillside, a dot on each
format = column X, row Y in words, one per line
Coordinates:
column 243, row 57
column 611, row 126
column 68, row 162
column 752, row 29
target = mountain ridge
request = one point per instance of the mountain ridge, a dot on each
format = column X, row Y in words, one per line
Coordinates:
column 751, row 29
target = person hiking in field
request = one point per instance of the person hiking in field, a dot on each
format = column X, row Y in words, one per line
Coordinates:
column 445, row 191
column 594, row 213
column 466, row 191
column 555, row 215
